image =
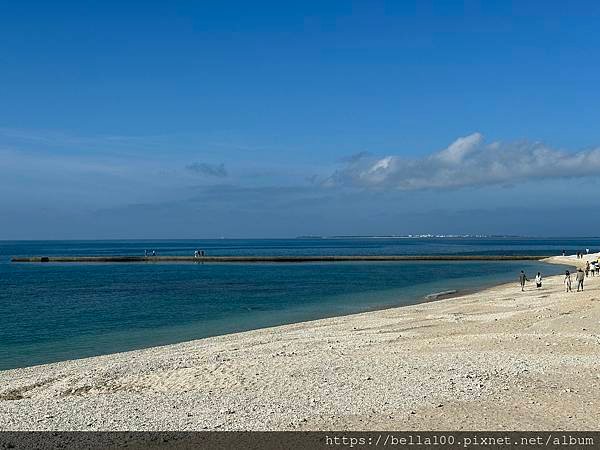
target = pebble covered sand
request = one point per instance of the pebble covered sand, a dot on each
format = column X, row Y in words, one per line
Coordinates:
column 496, row 359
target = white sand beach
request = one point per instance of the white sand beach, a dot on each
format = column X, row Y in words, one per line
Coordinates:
column 496, row 359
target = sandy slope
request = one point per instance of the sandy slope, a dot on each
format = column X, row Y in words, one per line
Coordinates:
column 497, row 359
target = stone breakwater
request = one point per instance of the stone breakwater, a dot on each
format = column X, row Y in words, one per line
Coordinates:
column 268, row 259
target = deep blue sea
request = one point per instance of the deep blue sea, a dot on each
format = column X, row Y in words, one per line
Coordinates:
column 53, row 312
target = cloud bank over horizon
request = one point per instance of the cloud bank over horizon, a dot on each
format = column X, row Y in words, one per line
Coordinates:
column 77, row 186
column 467, row 162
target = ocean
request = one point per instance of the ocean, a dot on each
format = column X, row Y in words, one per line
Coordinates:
column 54, row 312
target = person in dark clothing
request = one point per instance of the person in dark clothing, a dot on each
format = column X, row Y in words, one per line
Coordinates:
column 587, row 269
column 579, row 278
column 522, row 279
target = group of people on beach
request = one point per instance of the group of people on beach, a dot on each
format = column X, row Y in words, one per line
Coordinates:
column 523, row 279
column 199, row 254
column 149, row 253
column 592, row 268
column 579, row 278
column 580, row 254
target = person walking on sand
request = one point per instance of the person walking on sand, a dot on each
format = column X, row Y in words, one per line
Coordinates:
column 538, row 280
column 522, row 280
column 587, row 269
column 568, row 281
column 579, row 278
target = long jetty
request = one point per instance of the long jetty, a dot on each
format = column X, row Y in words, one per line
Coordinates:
column 268, row 259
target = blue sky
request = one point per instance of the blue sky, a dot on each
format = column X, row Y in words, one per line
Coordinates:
column 277, row 119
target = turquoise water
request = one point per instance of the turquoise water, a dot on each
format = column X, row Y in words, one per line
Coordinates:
column 53, row 312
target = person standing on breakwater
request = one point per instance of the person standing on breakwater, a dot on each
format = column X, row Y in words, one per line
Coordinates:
column 538, row 280
column 579, row 278
column 568, row 281
column 522, row 279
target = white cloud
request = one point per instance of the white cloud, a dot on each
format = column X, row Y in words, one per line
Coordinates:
column 460, row 148
column 468, row 161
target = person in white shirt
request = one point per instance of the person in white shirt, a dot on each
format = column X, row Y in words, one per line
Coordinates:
column 538, row 280
column 568, row 281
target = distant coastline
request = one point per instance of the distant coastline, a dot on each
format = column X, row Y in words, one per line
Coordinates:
column 417, row 236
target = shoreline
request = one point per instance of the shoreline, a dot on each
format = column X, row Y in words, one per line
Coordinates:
column 430, row 297
column 424, row 300
column 240, row 381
